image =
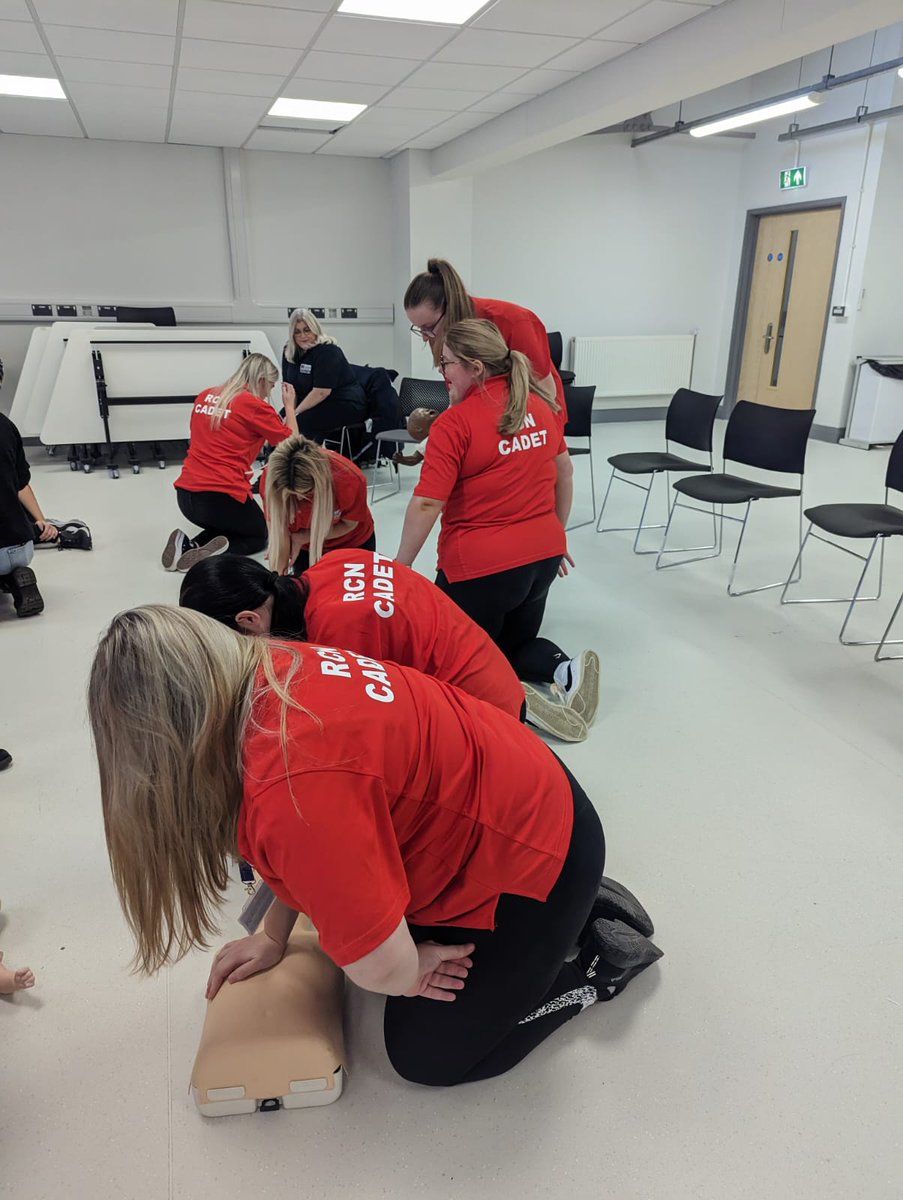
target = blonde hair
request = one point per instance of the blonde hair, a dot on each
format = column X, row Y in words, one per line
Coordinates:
column 441, row 286
column 298, row 469
column 253, row 369
column 170, row 697
column 292, row 353
column 480, row 341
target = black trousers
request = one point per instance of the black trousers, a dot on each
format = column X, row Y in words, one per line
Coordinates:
column 520, row 988
column 510, row 606
column 302, row 562
column 329, row 416
column 218, row 514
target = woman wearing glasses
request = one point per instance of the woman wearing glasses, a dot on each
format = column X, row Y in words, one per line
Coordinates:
column 437, row 299
column 328, row 394
column 498, row 470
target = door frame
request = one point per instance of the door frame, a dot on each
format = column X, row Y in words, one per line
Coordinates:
column 744, row 282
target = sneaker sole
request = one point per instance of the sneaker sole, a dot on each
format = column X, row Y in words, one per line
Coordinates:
column 217, row 545
column 168, row 557
column 557, row 719
column 585, row 700
column 615, row 902
column 622, row 946
column 24, row 590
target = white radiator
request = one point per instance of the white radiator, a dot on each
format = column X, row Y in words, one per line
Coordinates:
column 633, row 366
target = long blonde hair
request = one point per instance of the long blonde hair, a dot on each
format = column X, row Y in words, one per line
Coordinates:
column 298, row 469
column 253, row 369
column 292, row 353
column 441, row 286
column 480, row 341
column 169, row 699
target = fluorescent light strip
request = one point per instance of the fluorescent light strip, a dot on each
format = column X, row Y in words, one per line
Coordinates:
column 316, row 110
column 764, row 112
column 427, row 12
column 31, row 86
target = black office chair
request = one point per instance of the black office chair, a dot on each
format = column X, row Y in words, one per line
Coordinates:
column 757, row 435
column 875, row 521
column 556, row 350
column 412, row 393
column 689, row 422
column 151, row 316
column 579, row 401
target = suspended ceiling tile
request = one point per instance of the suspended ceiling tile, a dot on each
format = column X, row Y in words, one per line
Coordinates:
column 651, row 20
column 398, row 120
column 502, row 101
column 575, row 18
column 124, row 123
column 462, row 123
column 412, row 97
column 351, row 149
column 14, row 10
column 250, row 23
column 393, row 39
column 458, row 77
column 292, row 141
column 14, row 62
column 589, row 54
column 51, row 118
column 355, row 68
column 229, row 83
column 134, row 16
column 241, row 109
column 324, row 89
column 502, row 49
column 112, row 96
column 230, row 56
column 68, row 41
column 190, row 129
column 320, row 6
column 21, row 36
column 537, row 82
column 126, row 74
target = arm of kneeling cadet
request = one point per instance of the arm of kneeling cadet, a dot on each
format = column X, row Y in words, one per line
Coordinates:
column 392, row 968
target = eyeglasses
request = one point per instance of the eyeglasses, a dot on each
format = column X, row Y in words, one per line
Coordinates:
column 428, row 331
column 445, row 363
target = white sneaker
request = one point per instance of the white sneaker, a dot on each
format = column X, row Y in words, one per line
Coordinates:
column 195, row 554
column 581, row 693
column 553, row 716
column 178, row 543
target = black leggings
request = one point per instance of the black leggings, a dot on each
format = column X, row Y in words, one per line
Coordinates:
column 520, row 988
column 329, row 416
column 243, row 523
column 510, row 606
column 302, row 562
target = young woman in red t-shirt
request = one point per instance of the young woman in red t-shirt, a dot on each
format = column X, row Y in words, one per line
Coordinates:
column 315, row 501
column 229, row 426
column 498, row 470
column 362, row 600
column 437, row 299
column 441, row 851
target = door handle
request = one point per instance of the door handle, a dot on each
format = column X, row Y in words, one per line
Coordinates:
column 768, row 336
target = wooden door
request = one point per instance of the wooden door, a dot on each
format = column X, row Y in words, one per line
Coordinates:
column 788, row 307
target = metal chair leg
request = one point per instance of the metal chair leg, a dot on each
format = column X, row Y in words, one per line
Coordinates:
column 716, row 546
column 879, row 657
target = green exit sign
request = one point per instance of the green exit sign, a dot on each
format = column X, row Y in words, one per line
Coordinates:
column 795, row 178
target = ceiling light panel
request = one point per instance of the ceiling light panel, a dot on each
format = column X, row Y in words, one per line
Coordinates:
column 31, row 86
column 764, row 112
column 316, row 110
column 438, row 12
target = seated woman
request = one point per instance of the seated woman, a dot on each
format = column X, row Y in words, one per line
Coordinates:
column 362, row 600
column 328, row 394
column 229, row 426
column 315, row 501
column 445, row 856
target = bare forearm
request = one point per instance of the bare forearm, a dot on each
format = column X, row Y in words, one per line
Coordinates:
column 564, row 496
column 314, row 397
column 418, row 524
column 279, row 922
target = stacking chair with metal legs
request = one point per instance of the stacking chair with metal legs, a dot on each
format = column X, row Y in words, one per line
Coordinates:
column 760, row 436
column 875, row 521
column 690, row 420
column 579, row 401
column 412, row 393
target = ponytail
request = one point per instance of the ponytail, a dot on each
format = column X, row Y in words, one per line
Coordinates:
column 480, row 341
column 298, row 470
column 442, row 287
column 228, row 584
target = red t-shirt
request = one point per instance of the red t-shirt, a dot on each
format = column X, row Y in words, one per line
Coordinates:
column 395, row 796
column 380, row 608
column 523, row 330
column 498, row 489
column 220, row 460
column 349, row 487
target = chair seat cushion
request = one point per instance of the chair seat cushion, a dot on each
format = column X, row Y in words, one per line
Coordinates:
column 574, row 450
column 730, row 489
column 649, row 462
column 857, row 520
column 395, row 435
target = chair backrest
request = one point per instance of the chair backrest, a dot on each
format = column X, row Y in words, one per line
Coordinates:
column 772, row 439
column 422, row 393
column 894, row 477
column 579, row 401
column 156, row 316
column 556, row 349
column 691, row 419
